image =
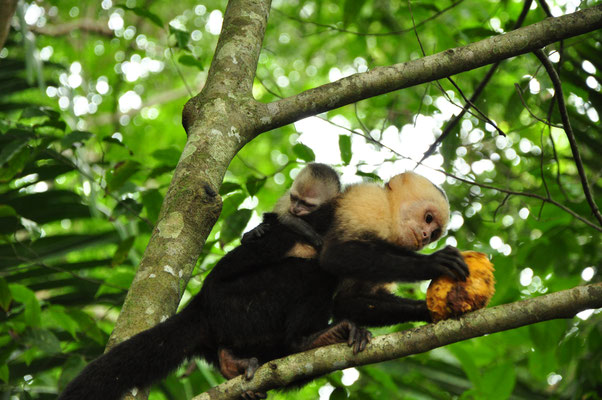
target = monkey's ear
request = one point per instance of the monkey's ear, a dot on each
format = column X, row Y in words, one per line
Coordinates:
column 396, row 183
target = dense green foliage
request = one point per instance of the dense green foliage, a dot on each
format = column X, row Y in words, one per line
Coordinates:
column 90, row 133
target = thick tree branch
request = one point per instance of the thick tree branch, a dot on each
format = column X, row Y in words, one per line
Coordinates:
column 278, row 373
column 387, row 79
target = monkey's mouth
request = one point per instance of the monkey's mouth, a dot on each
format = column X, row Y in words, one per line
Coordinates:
column 417, row 242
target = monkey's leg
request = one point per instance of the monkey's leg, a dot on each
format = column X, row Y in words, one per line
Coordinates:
column 231, row 366
column 379, row 309
column 341, row 332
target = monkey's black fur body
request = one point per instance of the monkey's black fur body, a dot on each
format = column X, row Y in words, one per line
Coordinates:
column 254, row 302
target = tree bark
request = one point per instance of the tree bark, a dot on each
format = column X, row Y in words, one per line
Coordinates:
column 323, row 360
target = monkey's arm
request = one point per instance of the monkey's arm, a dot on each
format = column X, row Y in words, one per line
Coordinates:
column 379, row 309
column 302, row 228
column 296, row 224
column 379, row 261
column 269, row 219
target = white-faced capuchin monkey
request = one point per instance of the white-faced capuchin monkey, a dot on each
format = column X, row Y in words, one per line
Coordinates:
column 373, row 241
column 315, row 185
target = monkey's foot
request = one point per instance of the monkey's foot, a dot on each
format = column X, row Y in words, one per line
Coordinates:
column 344, row 331
column 231, row 366
column 251, row 395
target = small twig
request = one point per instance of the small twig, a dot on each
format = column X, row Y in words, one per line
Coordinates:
column 501, row 205
column 469, row 103
column 541, row 164
column 569, row 131
column 179, row 72
column 524, row 194
column 522, row 100
column 359, row 120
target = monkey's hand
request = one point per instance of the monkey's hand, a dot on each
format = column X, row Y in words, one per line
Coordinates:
column 255, row 233
column 448, row 261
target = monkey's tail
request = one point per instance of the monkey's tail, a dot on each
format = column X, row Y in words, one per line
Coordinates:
column 144, row 358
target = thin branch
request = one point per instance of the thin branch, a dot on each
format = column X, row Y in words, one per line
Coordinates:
column 525, row 194
column 387, row 79
column 399, row 32
column 454, row 122
column 323, row 360
column 522, row 100
column 569, row 131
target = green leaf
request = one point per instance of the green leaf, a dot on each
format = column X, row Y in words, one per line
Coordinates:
column 122, row 251
column 228, row 187
column 345, row 148
column 152, row 200
column 69, row 370
column 127, row 207
column 12, row 149
column 37, row 111
column 75, row 137
column 253, row 184
column 5, row 296
column 4, row 373
column 498, row 382
column 119, row 281
column 44, row 340
column 114, row 141
column 468, row 364
column 7, row 211
column 369, row 175
column 234, row 225
column 191, row 61
column 182, row 37
column 27, row 297
column 304, row 152
column 57, row 317
column 169, row 156
column 231, row 203
column 144, row 13
column 121, row 173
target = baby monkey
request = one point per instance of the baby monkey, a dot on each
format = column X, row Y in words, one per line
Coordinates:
column 315, row 185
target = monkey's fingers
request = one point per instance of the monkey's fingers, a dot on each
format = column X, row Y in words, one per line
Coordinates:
column 358, row 338
column 365, row 337
column 252, row 366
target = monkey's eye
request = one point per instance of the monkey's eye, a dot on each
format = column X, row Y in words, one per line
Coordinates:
column 428, row 218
